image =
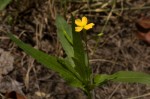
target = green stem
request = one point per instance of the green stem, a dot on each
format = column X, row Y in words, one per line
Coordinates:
column 89, row 95
column 85, row 40
column 89, row 79
column 88, row 66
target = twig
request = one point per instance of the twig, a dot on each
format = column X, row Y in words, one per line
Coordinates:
column 145, row 95
column 114, row 90
column 117, row 9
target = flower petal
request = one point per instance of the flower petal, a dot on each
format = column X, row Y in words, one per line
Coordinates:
column 78, row 29
column 89, row 26
column 78, row 22
column 84, row 21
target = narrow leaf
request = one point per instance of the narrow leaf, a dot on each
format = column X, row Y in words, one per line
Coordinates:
column 68, row 66
column 48, row 61
column 131, row 77
column 100, row 79
column 80, row 69
column 80, row 55
column 64, row 35
column 78, row 48
column 4, row 3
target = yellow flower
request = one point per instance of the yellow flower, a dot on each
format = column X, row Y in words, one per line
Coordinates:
column 82, row 24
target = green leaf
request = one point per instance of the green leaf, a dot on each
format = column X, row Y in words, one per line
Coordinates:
column 72, row 44
column 4, row 3
column 123, row 76
column 131, row 77
column 81, row 70
column 100, row 79
column 80, row 55
column 50, row 62
column 64, row 34
column 68, row 66
column 78, row 48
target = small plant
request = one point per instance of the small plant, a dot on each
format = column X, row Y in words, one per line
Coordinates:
column 75, row 67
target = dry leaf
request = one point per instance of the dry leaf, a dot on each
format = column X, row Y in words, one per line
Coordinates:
column 42, row 94
column 143, row 27
column 7, row 85
column 144, row 22
column 144, row 36
column 6, row 62
column 14, row 95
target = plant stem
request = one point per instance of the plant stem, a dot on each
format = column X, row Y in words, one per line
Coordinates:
column 86, row 46
column 89, row 95
column 89, row 77
column 85, row 40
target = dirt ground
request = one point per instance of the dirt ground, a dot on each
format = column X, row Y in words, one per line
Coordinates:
column 33, row 21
